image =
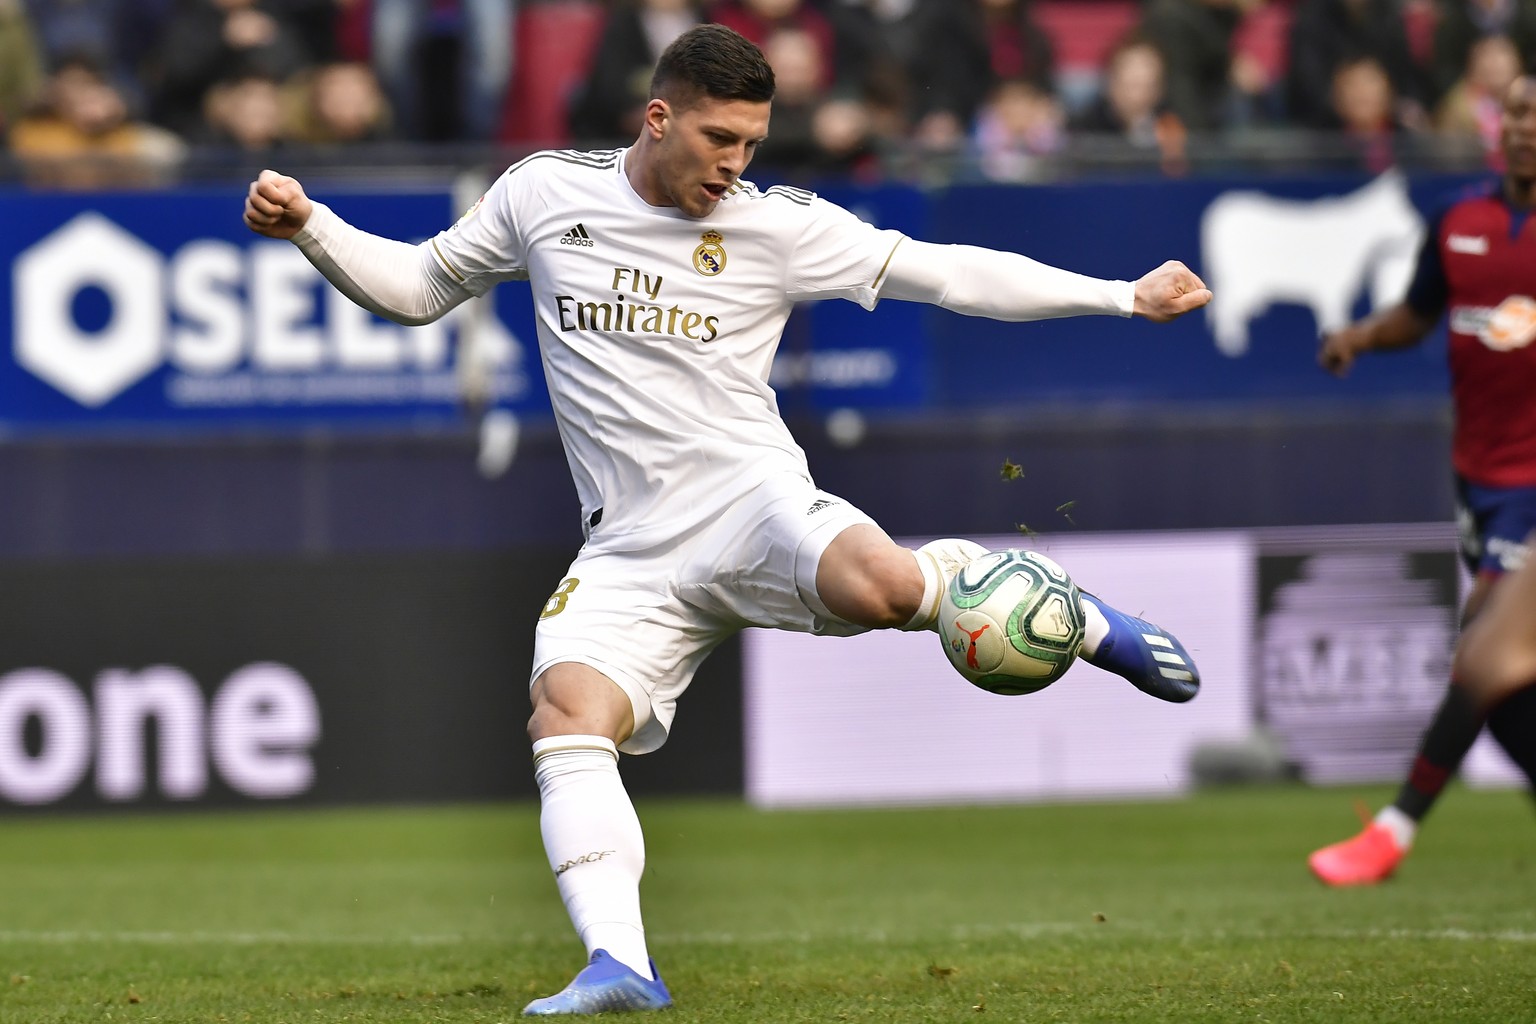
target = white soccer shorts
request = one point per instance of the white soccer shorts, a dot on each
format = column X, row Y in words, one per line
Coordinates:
column 646, row 619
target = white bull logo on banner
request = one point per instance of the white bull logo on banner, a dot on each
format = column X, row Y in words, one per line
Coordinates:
column 1258, row 250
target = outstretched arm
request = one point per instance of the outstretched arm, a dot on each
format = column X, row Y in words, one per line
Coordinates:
column 1008, row 286
column 396, row 280
column 1399, row 326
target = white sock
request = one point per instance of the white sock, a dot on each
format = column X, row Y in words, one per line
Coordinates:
column 927, row 616
column 938, row 561
column 1095, row 627
column 1402, row 827
column 595, row 847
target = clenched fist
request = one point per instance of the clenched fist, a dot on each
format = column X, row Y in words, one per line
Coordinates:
column 1169, row 292
column 276, row 205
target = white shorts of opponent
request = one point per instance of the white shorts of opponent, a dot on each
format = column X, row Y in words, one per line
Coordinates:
column 646, row 619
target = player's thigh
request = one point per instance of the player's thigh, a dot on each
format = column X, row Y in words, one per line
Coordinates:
column 1497, row 653
column 758, row 562
column 619, row 614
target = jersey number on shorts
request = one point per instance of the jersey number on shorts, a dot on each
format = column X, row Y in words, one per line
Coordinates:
column 556, row 603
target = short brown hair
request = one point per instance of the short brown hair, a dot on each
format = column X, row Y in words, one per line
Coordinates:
column 714, row 61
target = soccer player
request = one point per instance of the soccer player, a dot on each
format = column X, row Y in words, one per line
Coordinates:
column 1478, row 263
column 661, row 283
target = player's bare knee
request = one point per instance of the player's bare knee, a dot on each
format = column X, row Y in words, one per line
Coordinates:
column 1492, row 662
column 884, row 613
column 868, row 579
column 571, row 699
column 548, row 721
column 893, row 587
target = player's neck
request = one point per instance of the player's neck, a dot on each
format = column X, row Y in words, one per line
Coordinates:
column 640, row 169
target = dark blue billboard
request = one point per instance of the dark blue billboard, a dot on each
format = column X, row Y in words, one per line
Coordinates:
column 160, row 310
column 163, row 310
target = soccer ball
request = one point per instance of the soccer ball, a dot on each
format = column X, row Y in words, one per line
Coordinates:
column 1011, row 621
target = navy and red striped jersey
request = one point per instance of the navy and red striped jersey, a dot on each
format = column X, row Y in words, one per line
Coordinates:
column 1478, row 266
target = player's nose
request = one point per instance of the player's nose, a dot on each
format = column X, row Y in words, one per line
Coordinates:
column 734, row 162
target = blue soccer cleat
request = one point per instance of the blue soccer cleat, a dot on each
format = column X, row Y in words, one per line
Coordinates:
column 604, row 986
column 1151, row 658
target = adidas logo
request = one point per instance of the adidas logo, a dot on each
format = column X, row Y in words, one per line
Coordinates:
column 1166, row 659
column 818, row 505
column 577, row 236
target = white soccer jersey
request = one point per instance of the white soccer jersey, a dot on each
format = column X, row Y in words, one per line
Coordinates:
column 657, row 330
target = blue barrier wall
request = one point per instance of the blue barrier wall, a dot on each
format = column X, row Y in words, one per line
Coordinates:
column 259, row 413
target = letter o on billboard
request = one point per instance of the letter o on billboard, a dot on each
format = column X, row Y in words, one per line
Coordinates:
column 63, row 756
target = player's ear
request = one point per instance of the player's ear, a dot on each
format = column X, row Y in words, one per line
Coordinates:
column 658, row 113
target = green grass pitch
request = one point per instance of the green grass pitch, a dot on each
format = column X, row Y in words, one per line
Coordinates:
column 1190, row 910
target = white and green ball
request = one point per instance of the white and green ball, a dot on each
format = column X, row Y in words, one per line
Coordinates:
column 1011, row 621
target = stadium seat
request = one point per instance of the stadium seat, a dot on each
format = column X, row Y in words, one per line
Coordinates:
column 1265, row 36
column 1082, row 34
column 554, row 44
column 1420, row 18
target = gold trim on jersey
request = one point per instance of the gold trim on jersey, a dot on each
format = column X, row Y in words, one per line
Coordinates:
column 462, row 278
column 887, row 264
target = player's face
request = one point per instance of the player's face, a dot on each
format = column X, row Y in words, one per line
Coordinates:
column 1518, row 130
column 705, row 147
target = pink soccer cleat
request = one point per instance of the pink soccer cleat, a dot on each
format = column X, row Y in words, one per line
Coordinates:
column 1364, row 859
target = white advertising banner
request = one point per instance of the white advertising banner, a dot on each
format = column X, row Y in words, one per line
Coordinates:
column 883, row 719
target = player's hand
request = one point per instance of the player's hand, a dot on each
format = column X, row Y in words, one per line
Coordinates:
column 276, row 205
column 1339, row 348
column 1169, row 292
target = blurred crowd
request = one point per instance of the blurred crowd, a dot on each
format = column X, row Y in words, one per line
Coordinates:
column 97, row 92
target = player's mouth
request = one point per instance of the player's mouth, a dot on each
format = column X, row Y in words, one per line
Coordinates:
column 715, row 190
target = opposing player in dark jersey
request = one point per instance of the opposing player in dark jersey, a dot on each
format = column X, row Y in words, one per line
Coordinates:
column 1478, row 269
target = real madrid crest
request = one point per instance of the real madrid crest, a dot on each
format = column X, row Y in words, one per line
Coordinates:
column 709, row 257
